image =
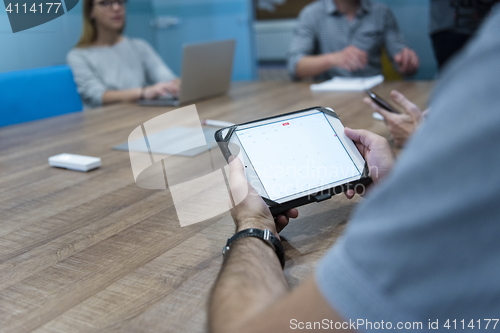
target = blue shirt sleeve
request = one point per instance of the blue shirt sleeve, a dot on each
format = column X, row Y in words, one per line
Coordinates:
column 425, row 244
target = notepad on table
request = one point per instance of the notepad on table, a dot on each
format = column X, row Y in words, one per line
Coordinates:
column 348, row 83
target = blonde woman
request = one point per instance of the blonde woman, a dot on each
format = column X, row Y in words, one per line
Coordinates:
column 109, row 67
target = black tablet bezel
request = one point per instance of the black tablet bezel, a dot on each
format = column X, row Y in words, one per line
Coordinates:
column 277, row 208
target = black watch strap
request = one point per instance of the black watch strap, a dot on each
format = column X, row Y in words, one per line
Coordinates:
column 266, row 235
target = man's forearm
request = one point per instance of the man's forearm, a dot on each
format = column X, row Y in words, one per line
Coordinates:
column 250, row 280
column 314, row 65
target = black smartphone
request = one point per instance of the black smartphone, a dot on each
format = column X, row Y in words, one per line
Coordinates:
column 381, row 102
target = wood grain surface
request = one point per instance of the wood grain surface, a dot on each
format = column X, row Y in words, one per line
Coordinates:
column 93, row 252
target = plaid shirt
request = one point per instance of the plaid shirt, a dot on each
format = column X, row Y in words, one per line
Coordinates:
column 322, row 29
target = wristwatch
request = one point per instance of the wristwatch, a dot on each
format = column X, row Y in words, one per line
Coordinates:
column 265, row 235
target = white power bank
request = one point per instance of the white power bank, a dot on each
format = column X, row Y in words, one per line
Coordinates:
column 75, row 162
column 377, row 116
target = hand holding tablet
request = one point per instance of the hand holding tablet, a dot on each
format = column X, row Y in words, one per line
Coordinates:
column 296, row 158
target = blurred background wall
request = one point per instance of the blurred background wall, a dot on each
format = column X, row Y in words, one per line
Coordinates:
column 41, row 46
column 262, row 35
column 166, row 24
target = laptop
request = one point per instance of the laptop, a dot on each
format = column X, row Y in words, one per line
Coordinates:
column 206, row 72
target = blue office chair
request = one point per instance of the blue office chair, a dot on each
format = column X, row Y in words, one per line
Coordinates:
column 37, row 93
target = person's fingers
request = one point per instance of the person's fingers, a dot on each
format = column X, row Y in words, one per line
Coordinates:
column 175, row 90
column 347, row 64
column 158, row 92
column 406, row 61
column 292, row 213
column 351, row 64
column 415, row 63
column 356, row 63
column 169, row 85
column 349, row 60
column 362, row 61
column 360, row 56
column 397, row 58
column 361, row 148
column 350, row 49
column 354, row 135
column 363, row 56
column 166, row 86
column 409, row 107
column 400, row 60
column 280, row 222
column 353, row 51
column 354, row 58
column 389, row 117
column 237, row 181
column 367, row 138
column 164, row 91
column 148, row 93
column 159, row 89
column 357, row 50
column 349, row 194
column 236, row 171
column 173, row 86
column 386, row 114
column 412, row 62
column 398, row 142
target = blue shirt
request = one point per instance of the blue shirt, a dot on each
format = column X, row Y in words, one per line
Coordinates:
column 425, row 245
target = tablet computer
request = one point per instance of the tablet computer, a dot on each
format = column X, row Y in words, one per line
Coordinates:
column 296, row 158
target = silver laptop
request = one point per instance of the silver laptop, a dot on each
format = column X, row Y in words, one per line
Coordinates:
column 206, row 72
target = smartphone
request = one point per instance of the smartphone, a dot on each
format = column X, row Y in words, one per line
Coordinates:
column 296, row 158
column 381, row 102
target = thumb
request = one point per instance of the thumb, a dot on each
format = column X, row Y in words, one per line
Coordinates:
column 366, row 138
column 354, row 135
column 351, row 134
column 237, row 181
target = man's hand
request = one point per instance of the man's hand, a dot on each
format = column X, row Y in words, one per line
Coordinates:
column 375, row 150
column 402, row 125
column 407, row 61
column 250, row 210
column 251, row 293
column 351, row 58
column 162, row 89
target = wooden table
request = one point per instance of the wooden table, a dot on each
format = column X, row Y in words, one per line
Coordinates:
column 88, row 252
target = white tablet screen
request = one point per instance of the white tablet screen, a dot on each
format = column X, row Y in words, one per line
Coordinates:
column 296, row 155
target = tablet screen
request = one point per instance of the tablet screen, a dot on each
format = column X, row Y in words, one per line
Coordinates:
column 297, row 155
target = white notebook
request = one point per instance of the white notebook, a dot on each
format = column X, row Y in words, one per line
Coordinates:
column 348, row 83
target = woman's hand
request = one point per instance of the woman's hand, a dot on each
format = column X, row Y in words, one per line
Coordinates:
column 162, row 89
